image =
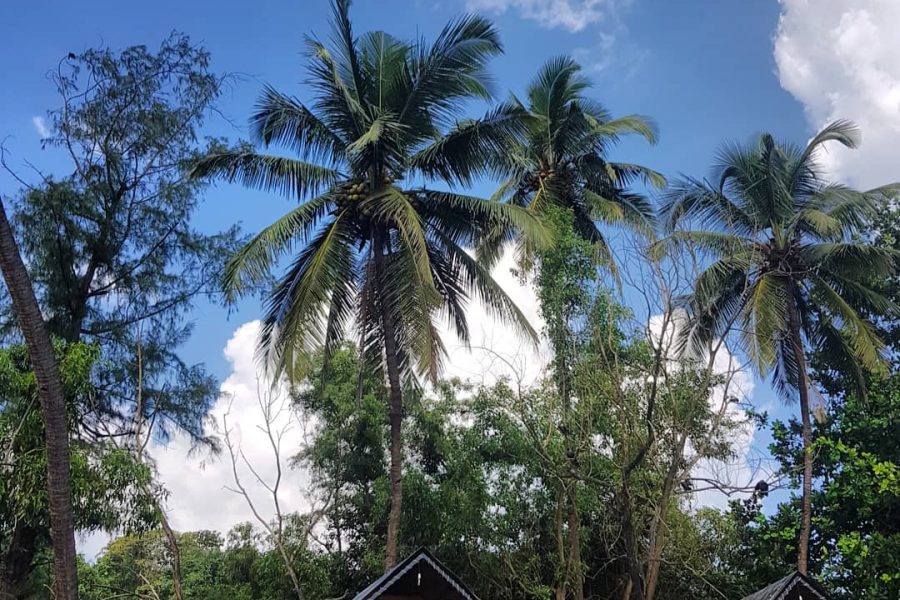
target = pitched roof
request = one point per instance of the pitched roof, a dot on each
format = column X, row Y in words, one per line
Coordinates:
column 420, row 557
column 781, row 588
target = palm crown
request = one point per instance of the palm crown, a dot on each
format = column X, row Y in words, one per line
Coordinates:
column 560, row 160
column 787, row 255
column 373, row 253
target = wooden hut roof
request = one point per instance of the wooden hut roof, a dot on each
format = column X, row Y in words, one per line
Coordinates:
column 793, row 587
column 420, row 575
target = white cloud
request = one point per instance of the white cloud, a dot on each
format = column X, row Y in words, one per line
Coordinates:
column 197, row 485
column 91, row 545
column 841, row 59
column 40, row 125
column 199, row 498
column 573, row 15
column 498, row 350
column 614, row 50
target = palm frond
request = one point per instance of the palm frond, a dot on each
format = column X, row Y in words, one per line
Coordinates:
column 867, row 348
column 252, row 264
column 721, row 244
column 345, row 42
column 393, row 209
column 476, row 278
column 624, row 173
column 292, row 178
column 297, row 310
column 465, row 219
column 628, row 124
column 690, row 198
column 850, row 259
column 472, row 147
column 764, row 317
column 558, row 82
column 452, row 68
column 283, row 120
column 631, row 210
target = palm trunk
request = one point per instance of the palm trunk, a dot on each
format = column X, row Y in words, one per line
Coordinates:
column 53, row 407
column 806, row 501
column 396, row 414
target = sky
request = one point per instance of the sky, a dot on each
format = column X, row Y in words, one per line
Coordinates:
column 707, row 72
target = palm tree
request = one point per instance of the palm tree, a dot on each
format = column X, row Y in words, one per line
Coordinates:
column 384, row 258
column 560, row 162
column 789, row 273
column 53, row 407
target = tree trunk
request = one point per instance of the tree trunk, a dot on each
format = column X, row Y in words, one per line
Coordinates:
column 806, row 501
column 560, row 549
column 53, row 408
column 632, row 561
column 576, row 570
column 15, row 564
column 573, row 564
column 172, row 542
column 657, row 540
column 396, row 412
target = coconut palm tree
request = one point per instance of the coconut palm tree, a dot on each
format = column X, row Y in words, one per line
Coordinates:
column 375, row 254
column 789, row 272
column 53, row 408
column 561, row 160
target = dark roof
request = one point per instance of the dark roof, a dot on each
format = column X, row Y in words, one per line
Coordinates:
column 784, row 586
column 419, row 557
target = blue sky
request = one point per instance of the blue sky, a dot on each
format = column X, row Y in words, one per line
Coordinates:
column 685, row 64
column 706, row 71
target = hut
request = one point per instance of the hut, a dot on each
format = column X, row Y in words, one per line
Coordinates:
column 418, row 577
column 793, row 587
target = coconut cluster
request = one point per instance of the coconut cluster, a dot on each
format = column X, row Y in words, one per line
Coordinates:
column 358, row 189
column 533, row 180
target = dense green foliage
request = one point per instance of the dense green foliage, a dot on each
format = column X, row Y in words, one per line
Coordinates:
column 115, row 262
column 584, row 480
column 111, row 489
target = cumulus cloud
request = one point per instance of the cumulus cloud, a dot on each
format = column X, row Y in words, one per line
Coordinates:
column 840, row 59
column 200, row 497
column 201, row 487
column 40, row 125
column 573, row 15
column 498, row 350
column 198, row 484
